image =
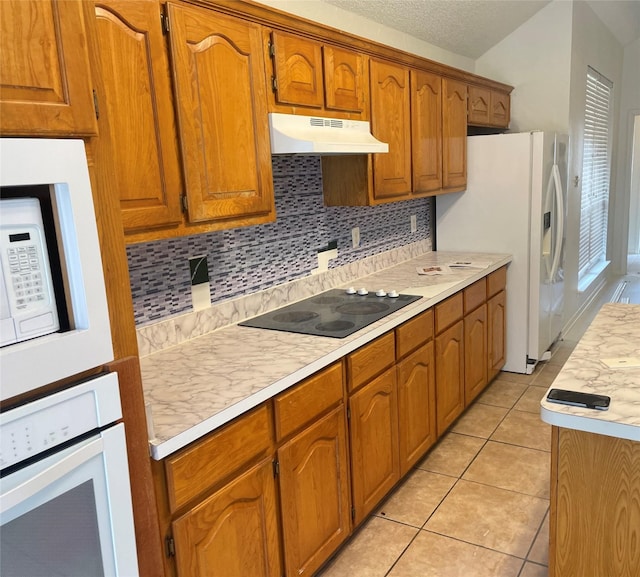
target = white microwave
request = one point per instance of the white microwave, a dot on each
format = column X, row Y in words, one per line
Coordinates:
column 28, row 306
column 54, row 320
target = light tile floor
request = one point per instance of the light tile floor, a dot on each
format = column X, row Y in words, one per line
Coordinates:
column 477, row 505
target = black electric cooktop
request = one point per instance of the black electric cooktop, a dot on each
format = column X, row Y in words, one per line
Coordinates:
column 334, row 313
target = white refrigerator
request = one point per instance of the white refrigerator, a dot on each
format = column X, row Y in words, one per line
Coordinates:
column 515, row 203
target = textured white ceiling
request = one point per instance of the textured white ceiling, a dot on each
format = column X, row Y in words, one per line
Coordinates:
column 471, row 27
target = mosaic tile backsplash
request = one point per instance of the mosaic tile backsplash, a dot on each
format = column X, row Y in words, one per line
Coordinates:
column 249, row 259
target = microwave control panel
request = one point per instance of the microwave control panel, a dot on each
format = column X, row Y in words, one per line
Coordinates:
column 27, row 301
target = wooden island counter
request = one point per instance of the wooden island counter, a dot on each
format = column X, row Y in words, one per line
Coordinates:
column 594, row 526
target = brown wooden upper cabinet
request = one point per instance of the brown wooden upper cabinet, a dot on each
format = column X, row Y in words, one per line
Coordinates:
column 45, row 76
column 316, row 76
column 391, row 123
column 137, row 102
column 218, row 69
column 212, row 169
column 454, row 135
column 488, row 107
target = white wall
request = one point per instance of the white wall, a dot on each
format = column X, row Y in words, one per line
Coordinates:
column 535, row 59
column 546, row 61
column 358, row 25
column 627, row 211
column 592, row 44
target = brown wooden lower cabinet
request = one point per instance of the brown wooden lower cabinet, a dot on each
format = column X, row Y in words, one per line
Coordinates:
column 475, row 353
column 416, row 406
column 230, row 515
column 594, row 522
column 314, row 493
column 375, row 466
column 496, row 333
column 449, row 375
column 234, row 532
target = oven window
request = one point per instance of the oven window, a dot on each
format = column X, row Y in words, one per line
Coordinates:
column 60, row 537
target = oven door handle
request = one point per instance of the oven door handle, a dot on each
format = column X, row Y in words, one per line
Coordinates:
column 51, row 474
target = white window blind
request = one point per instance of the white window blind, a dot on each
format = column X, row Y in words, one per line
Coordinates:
column 594, row 207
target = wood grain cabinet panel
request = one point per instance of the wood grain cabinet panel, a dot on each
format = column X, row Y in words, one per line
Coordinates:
column 45, row 76
column 496, row 333
column 314, row 493
column 297, row 66
column 391, row 123
column 595, row 505
column 488, row 107
column 475, row 353
column 416, row 406
column 218, row 66
column 138, row 106
column 449, row 353
column 344, row 79
column 413, row 333
column 426, row 131
column 454, row 135
column 234, row 532
column 370, row 360
column 375, row 464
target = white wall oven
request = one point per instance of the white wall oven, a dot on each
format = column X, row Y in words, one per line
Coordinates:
column 65, row 501
column 65, row 498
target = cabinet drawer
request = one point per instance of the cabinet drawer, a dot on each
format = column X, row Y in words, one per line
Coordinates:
column 496, row 281
column 370, row 360
column 475, row 295
column 197, row 468
column 296, row 407
column 448, row 312
column 413, row 333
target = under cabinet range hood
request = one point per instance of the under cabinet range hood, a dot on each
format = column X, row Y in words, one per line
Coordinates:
column 294, row 134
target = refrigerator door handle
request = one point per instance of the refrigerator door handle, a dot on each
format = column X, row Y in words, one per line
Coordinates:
column 559, row 221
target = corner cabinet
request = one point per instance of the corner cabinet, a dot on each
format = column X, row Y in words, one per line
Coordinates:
column 488, row 107
column 218, row 67
column 45, row 76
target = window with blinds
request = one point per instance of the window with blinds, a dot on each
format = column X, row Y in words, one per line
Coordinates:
column 596, row 161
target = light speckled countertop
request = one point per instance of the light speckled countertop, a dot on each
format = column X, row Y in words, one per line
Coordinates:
column 197, row 386
column 613, row 334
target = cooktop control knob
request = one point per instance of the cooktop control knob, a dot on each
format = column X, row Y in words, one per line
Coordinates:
column 381, row 293
column 393, row 294
column 351, row 291
column 363, row 291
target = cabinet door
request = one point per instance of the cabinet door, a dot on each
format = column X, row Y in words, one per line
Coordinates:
column 496, row 333
column 138, row 108
column 391, row 123
column 375, row 466
column 479, row 105
column 344, row 79
column 298, row 70
column 314, row 493
column 426, row 131
column 500, row 109
column 45, row 80
column 416, row 406
column 454, row 134
column 233, row 533
column 218, row 65
column 449, row 375
column 475, row 353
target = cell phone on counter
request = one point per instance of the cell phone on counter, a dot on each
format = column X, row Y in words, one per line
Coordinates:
column 577, row 399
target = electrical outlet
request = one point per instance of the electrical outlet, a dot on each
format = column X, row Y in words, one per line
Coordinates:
column 414, row 223
column 355, row 236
